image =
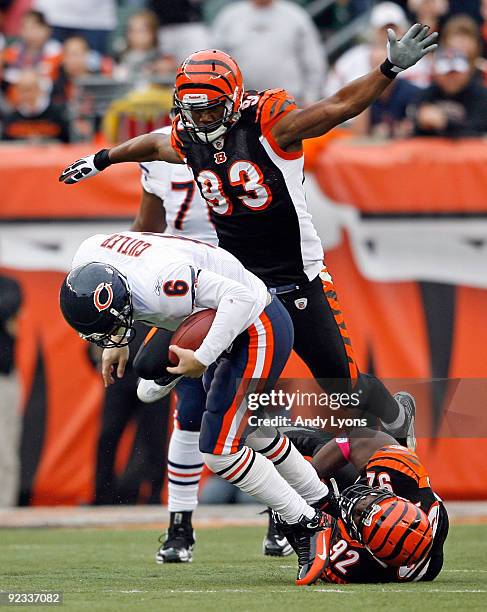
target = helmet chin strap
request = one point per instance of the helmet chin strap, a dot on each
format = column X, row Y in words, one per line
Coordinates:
column 114, row 340
column 209, row 137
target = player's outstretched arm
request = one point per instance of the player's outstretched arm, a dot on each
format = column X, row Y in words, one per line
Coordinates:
column 355, row 97
column 145, row 148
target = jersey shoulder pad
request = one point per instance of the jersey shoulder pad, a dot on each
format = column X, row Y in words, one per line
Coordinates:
column 272, row 106
column 399, row 459
column 167, row 129
column 179, row 138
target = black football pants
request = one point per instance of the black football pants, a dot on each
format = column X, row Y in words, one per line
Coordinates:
column 321, row 340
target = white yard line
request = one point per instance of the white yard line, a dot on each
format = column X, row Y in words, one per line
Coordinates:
column 323, row 590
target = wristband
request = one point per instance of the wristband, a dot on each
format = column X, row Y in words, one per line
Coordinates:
column 389, row 70
column 102, row 159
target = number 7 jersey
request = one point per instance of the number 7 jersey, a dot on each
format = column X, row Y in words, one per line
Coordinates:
column 255, row 192
column 187, row 213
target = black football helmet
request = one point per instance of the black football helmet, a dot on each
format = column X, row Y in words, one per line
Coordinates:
column 96, row 301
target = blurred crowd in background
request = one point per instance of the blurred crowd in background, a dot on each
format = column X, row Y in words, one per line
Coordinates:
column 70, row 71
column 103, row 70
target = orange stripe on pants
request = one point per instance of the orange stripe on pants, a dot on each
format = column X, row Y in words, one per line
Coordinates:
column 240, row 392
column 151, row 334
column 269, row 356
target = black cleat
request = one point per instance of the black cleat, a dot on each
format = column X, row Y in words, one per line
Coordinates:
column 328, row 503
column 275, row 543
column 307, row 538
column 177, row 547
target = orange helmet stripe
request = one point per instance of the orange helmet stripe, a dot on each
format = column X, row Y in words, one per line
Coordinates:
column 201, row 88
column 211, row 65
column 205, row 72
column 400, row 534
column 401, row 460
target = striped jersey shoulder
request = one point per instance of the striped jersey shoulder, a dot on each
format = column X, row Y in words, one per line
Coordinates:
column 400, row 459
column 178, row 137
column 272, row 105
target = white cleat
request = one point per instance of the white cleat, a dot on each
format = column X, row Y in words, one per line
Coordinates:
column 149, row 391
column 174, row 555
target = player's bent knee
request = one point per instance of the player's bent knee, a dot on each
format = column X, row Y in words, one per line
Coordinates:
column 152, row 357
column 189, row 423
column 149, row 366
column 212, row 461
column 145, row 368
column 217, row 463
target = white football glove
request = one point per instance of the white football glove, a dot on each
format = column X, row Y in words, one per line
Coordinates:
column 79, row 170
column 414, row 45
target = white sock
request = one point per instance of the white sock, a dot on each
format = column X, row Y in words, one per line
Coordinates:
column 184, row 466
column 291, row 465
column 252, row 473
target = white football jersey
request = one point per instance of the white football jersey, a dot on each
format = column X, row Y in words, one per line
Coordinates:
column 170, row 277
column 187, row 214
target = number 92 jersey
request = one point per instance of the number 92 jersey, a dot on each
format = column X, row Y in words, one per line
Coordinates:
column 399, row 470
column 187, row 213
column 255, row 192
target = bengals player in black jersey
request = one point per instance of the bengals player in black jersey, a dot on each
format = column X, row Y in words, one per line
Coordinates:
column 393, row 525
column 245, row 151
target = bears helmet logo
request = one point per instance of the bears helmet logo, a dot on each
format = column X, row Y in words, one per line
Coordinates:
column 103, row 301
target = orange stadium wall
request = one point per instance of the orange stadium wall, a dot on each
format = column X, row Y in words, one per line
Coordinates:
column 390, row 316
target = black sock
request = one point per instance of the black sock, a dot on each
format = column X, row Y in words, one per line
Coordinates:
column 180, row 518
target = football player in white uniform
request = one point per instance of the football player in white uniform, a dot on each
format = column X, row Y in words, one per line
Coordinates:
column 160, row 280
column 171, row 203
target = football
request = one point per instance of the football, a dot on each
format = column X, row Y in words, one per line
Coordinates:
column 192, row 331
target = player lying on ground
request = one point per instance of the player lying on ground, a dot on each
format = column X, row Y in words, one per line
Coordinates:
column 160, row 280
column 392, row 526
column 245, row 152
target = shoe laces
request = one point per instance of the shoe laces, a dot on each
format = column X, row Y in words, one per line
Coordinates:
column 305, row 530
column 303, row 545
column 272, row 529
column 313, row 524
column 177, row 536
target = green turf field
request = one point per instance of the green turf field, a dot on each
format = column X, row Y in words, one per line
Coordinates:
column 108, row 569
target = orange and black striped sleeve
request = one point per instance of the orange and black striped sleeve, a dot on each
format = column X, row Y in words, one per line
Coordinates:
column 176, row 140
column 274, row 104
